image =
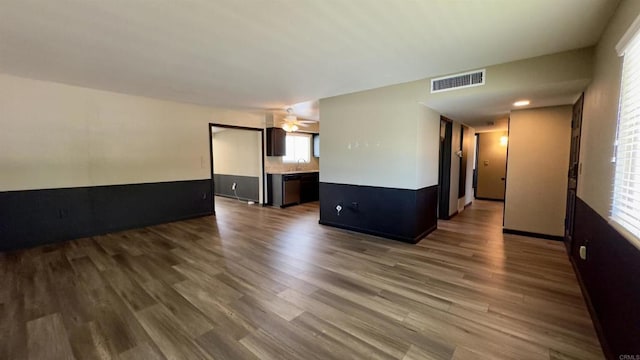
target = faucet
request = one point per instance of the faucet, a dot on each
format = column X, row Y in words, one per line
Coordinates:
column 298, row 164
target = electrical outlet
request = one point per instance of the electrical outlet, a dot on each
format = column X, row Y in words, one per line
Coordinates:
column 233, row 187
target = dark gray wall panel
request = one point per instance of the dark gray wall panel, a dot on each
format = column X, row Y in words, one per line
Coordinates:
column 36, row 217
column 248, row 186
column 426, row 211
column 610, row 281
column 130, row 206
column 400, row 214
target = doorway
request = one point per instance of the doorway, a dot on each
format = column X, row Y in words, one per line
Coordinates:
column 491, row 169
column 236, row 156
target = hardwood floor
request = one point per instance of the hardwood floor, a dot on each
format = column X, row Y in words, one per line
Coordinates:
column 265, row 283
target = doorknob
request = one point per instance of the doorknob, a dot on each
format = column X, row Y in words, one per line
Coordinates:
column 502, row 179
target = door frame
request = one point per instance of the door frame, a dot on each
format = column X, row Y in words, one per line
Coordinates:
column 462, row 173
column 444, row 168
column 476, row 137
column 574, row 168
column 264, row 178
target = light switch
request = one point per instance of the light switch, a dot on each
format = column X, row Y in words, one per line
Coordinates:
column 486, row 163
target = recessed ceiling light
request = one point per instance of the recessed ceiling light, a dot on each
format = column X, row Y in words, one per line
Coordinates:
column 521, row 103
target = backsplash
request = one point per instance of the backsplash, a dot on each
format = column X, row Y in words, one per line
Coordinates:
column 274, row 164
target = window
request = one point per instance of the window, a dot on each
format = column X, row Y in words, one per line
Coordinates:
column 625, row 210
column 298, row 147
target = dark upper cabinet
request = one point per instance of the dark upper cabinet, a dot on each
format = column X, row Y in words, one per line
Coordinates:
column 316, row 145
column 276, row 142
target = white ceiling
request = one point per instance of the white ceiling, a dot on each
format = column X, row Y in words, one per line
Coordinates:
column 270, row 54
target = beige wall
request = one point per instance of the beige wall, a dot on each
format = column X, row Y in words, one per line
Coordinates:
column 55, row 135
column 595, row 180
column 539, row 141
column 498, row 125
column 380, row 137
column 490, row 174
column 237, row 152
column 427, row 136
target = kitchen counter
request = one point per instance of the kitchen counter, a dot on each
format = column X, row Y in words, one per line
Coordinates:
column 292, row 187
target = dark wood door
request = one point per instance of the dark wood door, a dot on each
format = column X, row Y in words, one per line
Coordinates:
column 475, row 167
column 574, row 169
column 462, row 181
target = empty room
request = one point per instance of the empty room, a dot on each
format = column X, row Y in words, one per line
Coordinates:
column 342, row 179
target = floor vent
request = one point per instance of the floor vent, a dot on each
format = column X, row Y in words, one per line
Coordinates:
column 458, row 81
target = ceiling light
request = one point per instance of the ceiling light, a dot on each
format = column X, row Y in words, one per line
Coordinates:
column 288, row 127
column 290, row 115
column 290, row 121
column 522, row 103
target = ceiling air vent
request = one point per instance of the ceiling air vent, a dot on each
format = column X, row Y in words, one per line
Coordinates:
column 458, row 81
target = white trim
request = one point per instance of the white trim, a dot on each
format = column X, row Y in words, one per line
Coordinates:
column 622, row 44
column 634, row 240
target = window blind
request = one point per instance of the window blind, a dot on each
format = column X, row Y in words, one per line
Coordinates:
column 626, row 189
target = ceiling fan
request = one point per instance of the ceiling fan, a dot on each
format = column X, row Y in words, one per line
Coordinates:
column 291, row 122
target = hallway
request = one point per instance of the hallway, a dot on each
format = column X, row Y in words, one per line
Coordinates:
column 259, row 282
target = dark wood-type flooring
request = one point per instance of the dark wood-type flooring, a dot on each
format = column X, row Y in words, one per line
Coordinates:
column 265, row 283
